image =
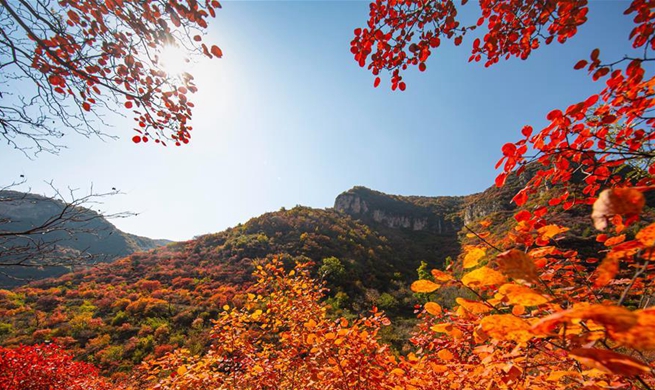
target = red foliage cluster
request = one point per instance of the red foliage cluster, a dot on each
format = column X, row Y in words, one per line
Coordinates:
column 46, row 367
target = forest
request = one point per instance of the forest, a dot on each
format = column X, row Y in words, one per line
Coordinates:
column 542, row 281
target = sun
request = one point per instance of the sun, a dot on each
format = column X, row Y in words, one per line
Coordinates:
column 173, row 60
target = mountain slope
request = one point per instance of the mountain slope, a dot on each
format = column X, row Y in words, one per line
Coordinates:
column 36, row 230
column 366, row 249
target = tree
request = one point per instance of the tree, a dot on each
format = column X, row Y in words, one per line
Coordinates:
column 543, row 316
column 282, row 339
column 597, row 136
column 39, row 232
column 67, row 63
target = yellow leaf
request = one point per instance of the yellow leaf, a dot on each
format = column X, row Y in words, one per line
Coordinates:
column 521, row 295
column 181, row 370
column 517, row 265
column 445, row 354
column 474, row 307
column 397, row 371
column 616, row 201
column 549, row 231
column 473, row 256
column 449, row 329
column 433, row 308
column 424, row 286
column 257, row 369
column 483, row 276
column 506, row 327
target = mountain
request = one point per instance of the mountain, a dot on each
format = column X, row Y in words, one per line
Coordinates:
column 367, row 250
column 36, row 230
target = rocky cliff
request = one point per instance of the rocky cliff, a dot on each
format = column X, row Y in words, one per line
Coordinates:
column 444, row 215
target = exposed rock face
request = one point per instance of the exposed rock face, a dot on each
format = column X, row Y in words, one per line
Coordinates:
column 351, row 204
column 436, row 215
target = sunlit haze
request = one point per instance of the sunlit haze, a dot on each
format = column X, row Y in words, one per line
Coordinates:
column 287, row 117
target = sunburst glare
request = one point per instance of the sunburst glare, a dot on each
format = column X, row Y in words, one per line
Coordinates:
column 174, row 60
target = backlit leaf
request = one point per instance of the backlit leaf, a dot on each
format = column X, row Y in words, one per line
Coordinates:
column 483, row 276
column 642, row 335
column 445, row 354
column 474, row 307
column 433, row 308
column 609, row 361
column 606, row 271
column 506, row 327
column 647, row 235
column 517, row 265
column 615, row 318
column 441, row 276
column 521, row 295
column 424, row 286
column 473, row 255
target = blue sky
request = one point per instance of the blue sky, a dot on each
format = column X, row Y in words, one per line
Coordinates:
column 287, row 117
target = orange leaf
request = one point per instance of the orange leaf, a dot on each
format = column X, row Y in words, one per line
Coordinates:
column 549, row 231
column 617, row 201
column 474, row 307
column 445, row 354
column 517, row 265
column 615, row 240
column 483, row 276
column 449, row 329
column 433, row 308
column 642, row 335
column 506, row 327
column 606, row 271
column 610, row 362
column 473, row 255
column 441, row 276
column 521, row 295
column 614, row 318
column 424, row 286
column 647, row 235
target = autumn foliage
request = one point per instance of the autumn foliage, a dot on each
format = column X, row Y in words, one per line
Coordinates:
column 78, row 58
column 544, row 317
column 46, row 367
column 532, row 313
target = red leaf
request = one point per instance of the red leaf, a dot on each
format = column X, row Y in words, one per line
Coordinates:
column 217, row 51
column 520, row 198
column 509, row 149
column 136, row 139
column 376, row 82
column 522, row 215
column 500, row 179
column 580, row 64
column 86, row 106
column 128, row 104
